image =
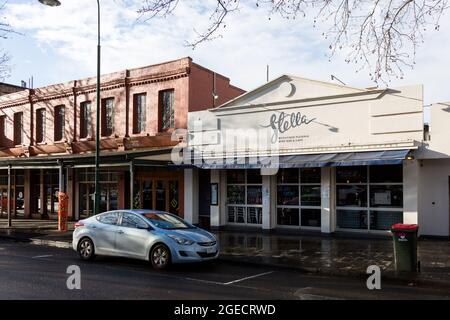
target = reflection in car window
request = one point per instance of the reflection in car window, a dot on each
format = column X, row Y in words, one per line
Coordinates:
column 167, row 221
column 132, row 221
column 109, row 218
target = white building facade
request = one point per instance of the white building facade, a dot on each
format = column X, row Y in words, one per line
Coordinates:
column 298, row 154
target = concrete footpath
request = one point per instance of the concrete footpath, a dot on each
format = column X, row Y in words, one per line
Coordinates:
column 340, row 255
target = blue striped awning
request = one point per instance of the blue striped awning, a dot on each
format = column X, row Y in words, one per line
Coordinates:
column 308, row 160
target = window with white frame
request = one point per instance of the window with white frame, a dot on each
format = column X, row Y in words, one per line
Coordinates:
column 299, row 197
column 369, row 197
column 244, row 196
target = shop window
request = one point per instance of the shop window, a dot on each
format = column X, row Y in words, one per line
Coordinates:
column 235, row 176
column 299, row 197
column 352, row 219
column 356, row 174
column 139, row 112
column 236, row 194
column 18, row 128
column 288, row 195
column 254, row 176
column 254, row 195
column 386, row 174
column 107, row 113
column 372, row 204
column 244, row 196
column 310, row 195
column 310, row 175
column 167, row 109
column 60, row 120
column 351, row 196
column 287, row 176
column 383, row 220
column 40, row 125
column 311, row 217
column 388, row 196
column 288, row 216
column 85, row 120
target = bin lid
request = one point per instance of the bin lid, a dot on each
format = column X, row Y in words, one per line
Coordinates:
column 404, row 227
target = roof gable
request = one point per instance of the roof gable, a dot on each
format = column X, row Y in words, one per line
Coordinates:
column 290, row 88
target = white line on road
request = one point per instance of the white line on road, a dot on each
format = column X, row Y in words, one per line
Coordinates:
column 230, row 282
column 250, row 277
column 43, row 256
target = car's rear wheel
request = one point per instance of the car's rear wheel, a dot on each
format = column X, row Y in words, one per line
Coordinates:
column 160, row 256
column 86, row 249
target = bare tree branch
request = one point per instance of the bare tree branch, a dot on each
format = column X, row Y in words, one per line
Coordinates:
column 381, row 35
column 5, row 30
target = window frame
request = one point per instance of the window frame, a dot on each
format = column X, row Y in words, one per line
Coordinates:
column 368, row 208
column 299, row 184
column 105, row 115
column 139, row 113
column 86, row 120
column 41, row 115
column 3, row 129
column 59, row 130
column 16, row 129
column 245, row 205
column 161, row 111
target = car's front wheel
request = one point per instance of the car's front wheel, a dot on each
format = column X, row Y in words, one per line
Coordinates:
column 86, row 249
column 160, row 256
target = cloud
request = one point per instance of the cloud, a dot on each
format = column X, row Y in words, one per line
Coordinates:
column 250, row 42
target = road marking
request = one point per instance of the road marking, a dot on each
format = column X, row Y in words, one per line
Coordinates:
column 249, row 277
column 43, row 256
column 230, row 282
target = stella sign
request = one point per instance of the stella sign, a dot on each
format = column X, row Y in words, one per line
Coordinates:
column 282, row 122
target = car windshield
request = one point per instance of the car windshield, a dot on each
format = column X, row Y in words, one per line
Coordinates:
column 166, row 221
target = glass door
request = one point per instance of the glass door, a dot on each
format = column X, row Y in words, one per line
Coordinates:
column 86, row 200
column 160, row 195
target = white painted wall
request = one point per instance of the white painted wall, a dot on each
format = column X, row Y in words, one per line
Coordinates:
column 411, row 180
column 191, row 195
column 434, row 197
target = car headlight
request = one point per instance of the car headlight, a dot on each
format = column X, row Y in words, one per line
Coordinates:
column 180, row 240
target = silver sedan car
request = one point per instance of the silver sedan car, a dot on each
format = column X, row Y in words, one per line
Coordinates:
column 160, row 237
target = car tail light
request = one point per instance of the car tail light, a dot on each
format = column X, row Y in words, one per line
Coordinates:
column 79, row 224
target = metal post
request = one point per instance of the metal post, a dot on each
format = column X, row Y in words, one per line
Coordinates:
column 61, row 176
column 131, row 185
column 97, row 133
column 9, row 197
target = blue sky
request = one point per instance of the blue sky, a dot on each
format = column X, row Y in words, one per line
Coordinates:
column 58, row 45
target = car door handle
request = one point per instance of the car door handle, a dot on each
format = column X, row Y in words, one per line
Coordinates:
column 120, row 232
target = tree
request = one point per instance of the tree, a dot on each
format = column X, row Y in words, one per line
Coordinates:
column 380, row 35
column 5, row 30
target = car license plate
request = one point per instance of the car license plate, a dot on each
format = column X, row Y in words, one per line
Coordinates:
column 210, row 250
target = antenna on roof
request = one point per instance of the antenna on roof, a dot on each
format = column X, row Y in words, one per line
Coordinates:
column 336, row 78
column 267, row 73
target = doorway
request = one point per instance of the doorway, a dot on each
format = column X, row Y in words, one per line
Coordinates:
column 158, row 192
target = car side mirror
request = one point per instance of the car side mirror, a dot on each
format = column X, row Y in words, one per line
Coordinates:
column 144, row 227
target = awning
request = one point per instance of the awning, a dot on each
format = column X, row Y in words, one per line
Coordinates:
column 308, row 160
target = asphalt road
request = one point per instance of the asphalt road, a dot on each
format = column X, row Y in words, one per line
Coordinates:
column 37, row 272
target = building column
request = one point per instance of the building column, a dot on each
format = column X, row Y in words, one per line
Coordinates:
column 328, row 213
column 191, row 195
column 410, row 191
column 43, row 195
column 269, row 202
column 27, row 190
column 218, row 213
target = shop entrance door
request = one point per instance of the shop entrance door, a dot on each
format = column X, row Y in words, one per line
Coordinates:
column 108, row 198
column 156, row 193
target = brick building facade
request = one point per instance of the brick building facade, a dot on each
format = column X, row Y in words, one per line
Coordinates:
column 47, row 139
